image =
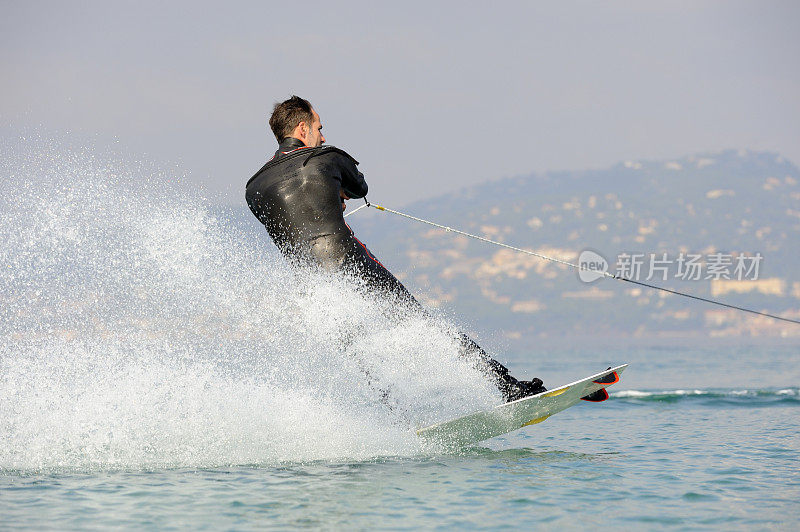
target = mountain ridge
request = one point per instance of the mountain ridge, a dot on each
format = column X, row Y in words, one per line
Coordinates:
column 737, row 202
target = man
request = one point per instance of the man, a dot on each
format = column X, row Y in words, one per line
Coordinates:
column 299, row 196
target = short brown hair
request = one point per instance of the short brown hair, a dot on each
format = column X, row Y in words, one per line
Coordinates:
column 286, row 115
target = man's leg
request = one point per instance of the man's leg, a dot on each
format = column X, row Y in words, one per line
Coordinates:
column 382, row 280
column 511, row 388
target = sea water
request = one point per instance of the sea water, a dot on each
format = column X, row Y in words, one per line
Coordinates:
column 161, row 368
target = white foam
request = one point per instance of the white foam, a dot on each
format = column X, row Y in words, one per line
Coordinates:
column 637, row 393
column 631, row 393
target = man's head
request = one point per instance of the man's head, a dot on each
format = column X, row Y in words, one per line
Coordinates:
column 296, row 118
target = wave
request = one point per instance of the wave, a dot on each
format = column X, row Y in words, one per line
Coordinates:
column 739, row 397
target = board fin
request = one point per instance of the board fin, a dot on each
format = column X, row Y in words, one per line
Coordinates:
column 596, row 397
column 611, row 378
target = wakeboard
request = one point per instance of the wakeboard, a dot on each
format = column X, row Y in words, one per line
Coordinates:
column 509, row 417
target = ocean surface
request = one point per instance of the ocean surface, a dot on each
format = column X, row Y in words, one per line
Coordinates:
column 160, row 369
column 704, row 456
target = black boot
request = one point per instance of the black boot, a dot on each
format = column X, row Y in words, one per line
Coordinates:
column 519, row 389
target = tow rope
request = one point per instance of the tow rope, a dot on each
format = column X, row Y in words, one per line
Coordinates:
column 566, row 263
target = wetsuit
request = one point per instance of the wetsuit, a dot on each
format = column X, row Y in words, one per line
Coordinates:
column 296, row 196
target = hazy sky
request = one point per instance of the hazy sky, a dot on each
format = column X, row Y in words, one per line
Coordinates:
column 429, row 96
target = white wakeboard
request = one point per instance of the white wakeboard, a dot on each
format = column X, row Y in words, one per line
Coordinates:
column 511, row 416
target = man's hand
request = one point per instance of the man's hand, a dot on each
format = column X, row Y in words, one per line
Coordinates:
column 343, row 197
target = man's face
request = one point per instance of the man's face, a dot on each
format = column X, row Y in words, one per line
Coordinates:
column 314, row 135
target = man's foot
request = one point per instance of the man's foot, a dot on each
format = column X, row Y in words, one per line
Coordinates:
column 521, row 389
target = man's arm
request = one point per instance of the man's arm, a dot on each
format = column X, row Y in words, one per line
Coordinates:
column 353, row 183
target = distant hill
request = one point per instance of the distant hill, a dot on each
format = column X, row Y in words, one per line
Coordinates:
column 730, row 203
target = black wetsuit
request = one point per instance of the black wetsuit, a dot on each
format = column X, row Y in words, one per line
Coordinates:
column 296, row 196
